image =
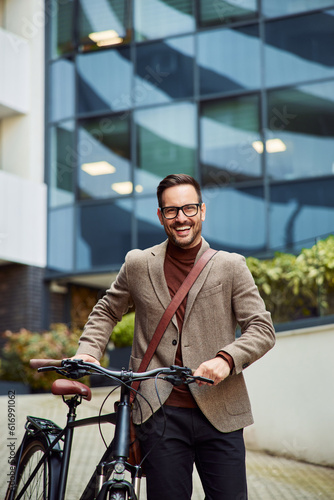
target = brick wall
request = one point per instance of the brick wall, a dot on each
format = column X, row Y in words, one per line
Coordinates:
column 21, row 297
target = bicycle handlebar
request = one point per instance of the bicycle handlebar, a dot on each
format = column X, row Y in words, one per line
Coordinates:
column 77, row 368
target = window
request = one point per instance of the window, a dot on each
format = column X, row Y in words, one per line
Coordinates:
column 301, row 131
column 222, row 12
column 104, row 235
column 62, row 77
column 104, row 81
column 62, row 164
column 164, row 71
column 62, row 41
column 286, row 7
column 60, row 239
column 103, row 23
column 229, row 137
column 104, row 157
column 157, row 19
column 166, row 139
column 229, row 60
column 299, row 49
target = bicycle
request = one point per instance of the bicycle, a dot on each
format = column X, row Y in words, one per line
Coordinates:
column 42, row 460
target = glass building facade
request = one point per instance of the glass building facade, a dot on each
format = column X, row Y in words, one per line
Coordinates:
column 238, row 94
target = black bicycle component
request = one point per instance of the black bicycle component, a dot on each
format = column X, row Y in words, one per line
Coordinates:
column 41, row 463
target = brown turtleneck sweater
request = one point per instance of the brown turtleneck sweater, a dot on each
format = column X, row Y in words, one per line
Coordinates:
column 178, row 263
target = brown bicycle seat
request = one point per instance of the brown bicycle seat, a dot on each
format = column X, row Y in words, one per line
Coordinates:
column 63, row 387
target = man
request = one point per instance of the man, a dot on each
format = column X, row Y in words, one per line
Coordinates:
column 204, row 422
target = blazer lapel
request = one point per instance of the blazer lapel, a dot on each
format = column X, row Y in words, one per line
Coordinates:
column 195, row 289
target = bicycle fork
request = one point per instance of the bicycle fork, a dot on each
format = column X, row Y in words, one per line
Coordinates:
column 121, row 446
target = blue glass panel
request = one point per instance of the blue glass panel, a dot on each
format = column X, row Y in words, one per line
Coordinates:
column 229, row 133
column 60, row 239
column 235, row 219
column 300, row 141
column 229, row 60
column 222, row 12
column 299, row 49
column 166, row 144
column 103, row 23
column 300, row 212
column 157, row 19
column 165, row 71
column 62, row 78
column 104, row 157
column 104, row 80
column 61, row 14
column 150, row 231
column 62, row 164
column 271, row 8
column 104, row 235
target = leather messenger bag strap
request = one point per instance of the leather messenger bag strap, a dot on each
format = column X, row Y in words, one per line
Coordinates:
column 170, row 311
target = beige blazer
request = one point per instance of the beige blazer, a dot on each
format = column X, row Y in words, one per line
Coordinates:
column 223, row 296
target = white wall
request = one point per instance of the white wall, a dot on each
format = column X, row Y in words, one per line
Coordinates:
column 292, row 394
column 22, row 220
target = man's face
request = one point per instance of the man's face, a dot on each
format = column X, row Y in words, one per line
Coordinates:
column 183, row 231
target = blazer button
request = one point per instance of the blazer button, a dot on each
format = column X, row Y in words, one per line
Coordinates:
column 245, row 365
column 174, row 342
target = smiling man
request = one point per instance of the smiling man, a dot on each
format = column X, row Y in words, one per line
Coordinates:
column 204, row 422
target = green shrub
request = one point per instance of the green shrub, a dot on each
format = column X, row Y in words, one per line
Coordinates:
column 58, row 343
column 295, row 287
column 122, row 335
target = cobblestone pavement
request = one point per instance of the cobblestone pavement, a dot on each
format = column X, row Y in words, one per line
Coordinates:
column 269, row 477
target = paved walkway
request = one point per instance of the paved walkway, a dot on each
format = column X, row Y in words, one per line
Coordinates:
column 269, row 477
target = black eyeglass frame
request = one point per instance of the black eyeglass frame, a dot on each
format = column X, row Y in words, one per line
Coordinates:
column 198, row 205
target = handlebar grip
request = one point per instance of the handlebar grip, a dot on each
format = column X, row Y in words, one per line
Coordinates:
column 40, row 363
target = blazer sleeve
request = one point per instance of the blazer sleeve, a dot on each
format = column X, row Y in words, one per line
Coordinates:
column 105, row 315
column 257, row 330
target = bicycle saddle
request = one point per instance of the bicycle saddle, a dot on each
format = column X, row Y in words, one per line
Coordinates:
column 63, row 387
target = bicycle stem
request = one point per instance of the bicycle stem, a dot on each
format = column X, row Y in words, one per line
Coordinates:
column 121, row 439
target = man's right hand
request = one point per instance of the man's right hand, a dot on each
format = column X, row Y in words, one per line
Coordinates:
column 87, row 358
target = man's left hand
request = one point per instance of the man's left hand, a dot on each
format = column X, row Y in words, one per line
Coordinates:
column 217, row 369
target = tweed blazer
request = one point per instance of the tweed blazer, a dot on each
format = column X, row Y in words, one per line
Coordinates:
column 223, row 296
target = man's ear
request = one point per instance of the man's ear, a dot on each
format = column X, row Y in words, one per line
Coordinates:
column 159, row 214
column 203, row 212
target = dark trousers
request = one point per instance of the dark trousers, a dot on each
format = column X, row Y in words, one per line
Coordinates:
column 190, row 438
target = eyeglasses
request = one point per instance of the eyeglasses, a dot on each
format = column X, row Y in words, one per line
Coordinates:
column 188, row 210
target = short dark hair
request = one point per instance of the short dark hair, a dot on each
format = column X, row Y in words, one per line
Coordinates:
column 176, row 180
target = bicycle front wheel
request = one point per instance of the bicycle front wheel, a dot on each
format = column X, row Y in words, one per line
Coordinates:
column 43, row 485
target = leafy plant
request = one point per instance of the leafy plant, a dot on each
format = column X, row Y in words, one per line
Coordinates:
column 295, row 287
column 58, row 343
column 122, row 334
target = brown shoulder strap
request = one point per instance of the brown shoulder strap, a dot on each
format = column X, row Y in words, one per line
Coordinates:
column 171, row 309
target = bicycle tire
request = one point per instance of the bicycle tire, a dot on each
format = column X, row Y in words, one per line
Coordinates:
column 44, row 484
column 118, row 495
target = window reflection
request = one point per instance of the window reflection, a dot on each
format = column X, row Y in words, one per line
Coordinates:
column 160, row 18
column 104, row 235
column 104, row 80
column 150, row 231
column 284, row 7
column 218, row 51
column 299, row 49
column 302, row 119
column 103, row 23
column 60, row 237
column 164, row 71
column 62, row 27
column 222, row 12
column 62, row 164
column 62, row 90
column 228, row 131
column 166, row 138
column 104, row 157
column 299, row 212
column 235, row 219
